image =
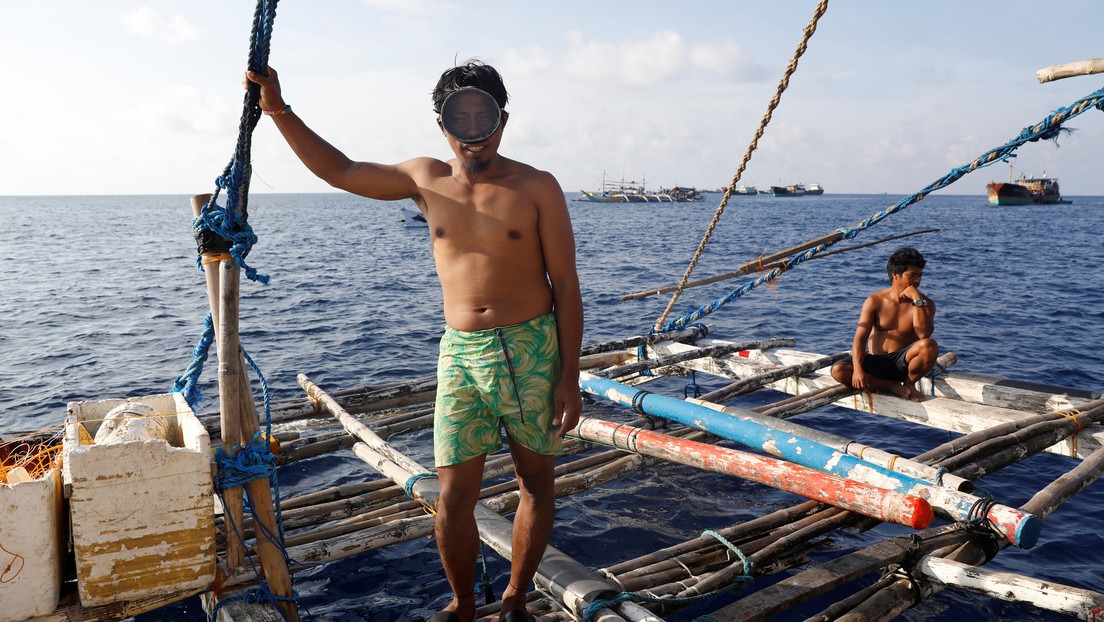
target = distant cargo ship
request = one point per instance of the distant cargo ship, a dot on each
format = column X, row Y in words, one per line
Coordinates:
column 1025, row 191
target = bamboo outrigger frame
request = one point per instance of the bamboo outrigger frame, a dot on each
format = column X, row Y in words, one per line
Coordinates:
column 993, row 413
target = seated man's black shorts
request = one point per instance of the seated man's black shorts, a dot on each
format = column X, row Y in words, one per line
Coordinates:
column 891, row 366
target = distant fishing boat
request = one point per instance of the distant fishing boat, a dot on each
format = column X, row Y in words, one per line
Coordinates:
column 625, row 192
column 681, row 194
column 813, row 189
column 1025, row 191
column 748, row 190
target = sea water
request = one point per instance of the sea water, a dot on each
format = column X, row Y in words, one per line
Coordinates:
column 100, row 297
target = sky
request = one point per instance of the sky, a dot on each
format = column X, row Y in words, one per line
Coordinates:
column 133, row 97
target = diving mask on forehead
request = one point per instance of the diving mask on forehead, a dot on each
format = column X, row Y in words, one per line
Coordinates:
column 470, row 115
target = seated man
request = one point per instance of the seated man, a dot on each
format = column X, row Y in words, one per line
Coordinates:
column 893, row 347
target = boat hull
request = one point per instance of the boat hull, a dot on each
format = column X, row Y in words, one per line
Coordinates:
column 787, row 191
column 1036, row 192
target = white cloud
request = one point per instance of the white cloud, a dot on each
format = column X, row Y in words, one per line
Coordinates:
column 642, row 62
column 728, row 59
column 149, row 24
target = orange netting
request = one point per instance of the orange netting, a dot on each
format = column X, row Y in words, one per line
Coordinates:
column 36, row 454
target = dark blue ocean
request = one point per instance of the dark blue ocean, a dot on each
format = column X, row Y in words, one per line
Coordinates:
column 100, row 297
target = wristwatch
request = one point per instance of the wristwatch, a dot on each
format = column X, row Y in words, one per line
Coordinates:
column 919, row 302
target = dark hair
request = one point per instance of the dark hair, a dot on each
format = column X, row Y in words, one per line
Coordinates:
column 904, row 258
column 473, row 72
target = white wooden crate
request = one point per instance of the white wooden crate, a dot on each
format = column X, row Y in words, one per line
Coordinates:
column 141, row 512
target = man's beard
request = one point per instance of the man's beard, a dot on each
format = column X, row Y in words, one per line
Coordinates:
column 476, row 166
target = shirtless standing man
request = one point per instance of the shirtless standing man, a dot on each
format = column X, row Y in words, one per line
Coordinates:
column 505, row 255
column 893, row 348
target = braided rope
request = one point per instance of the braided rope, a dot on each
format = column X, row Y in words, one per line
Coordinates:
column 783, row 84
column 1047, row 129
column 232, row 222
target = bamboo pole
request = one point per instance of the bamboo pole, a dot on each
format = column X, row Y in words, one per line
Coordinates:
column 1068, row 70
column 236, row 405
column 690, row 333
column 893, row 462
column 821, row 579
column 710, row 351
column 747, row 385
column 878, row 503
column 1075, row 602
column 771, row 262
column 229, row 418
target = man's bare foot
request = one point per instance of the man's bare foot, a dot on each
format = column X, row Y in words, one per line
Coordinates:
column 905, row 391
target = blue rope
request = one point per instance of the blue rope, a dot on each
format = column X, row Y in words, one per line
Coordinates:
column 692, row 386
column 414, row 479
column 231, row 222
column 738, row 584
column 1047, row 129
column 188, row 383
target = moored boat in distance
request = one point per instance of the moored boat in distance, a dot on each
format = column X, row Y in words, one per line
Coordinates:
column 813, row 189
column 681, row 194
column 748, row 190
column 1025, row 191
column 794, row 190
column 624, row 192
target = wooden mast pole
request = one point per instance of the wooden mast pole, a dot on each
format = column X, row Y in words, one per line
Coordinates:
column 232, row 499
column 237, row 411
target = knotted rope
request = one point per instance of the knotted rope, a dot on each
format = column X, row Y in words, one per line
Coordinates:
column 232, row 222
column 1047, row 129
column 782, row 85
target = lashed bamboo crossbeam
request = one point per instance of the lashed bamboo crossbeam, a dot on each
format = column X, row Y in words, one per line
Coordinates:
column 297, row 409
column 771, row 262
column 832, row 574
column 717, row 350
column 753, row 383
column 1019, row 527
column 804, row 402
column 1069, row 70
column 901, row 595
column 690, row 333
column 1000, row 451
column 712, row 563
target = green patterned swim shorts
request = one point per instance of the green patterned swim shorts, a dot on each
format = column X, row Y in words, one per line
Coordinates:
column 494, row 378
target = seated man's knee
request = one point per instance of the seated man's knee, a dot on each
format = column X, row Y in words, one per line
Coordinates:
column 842, row 373
column 930, row 347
